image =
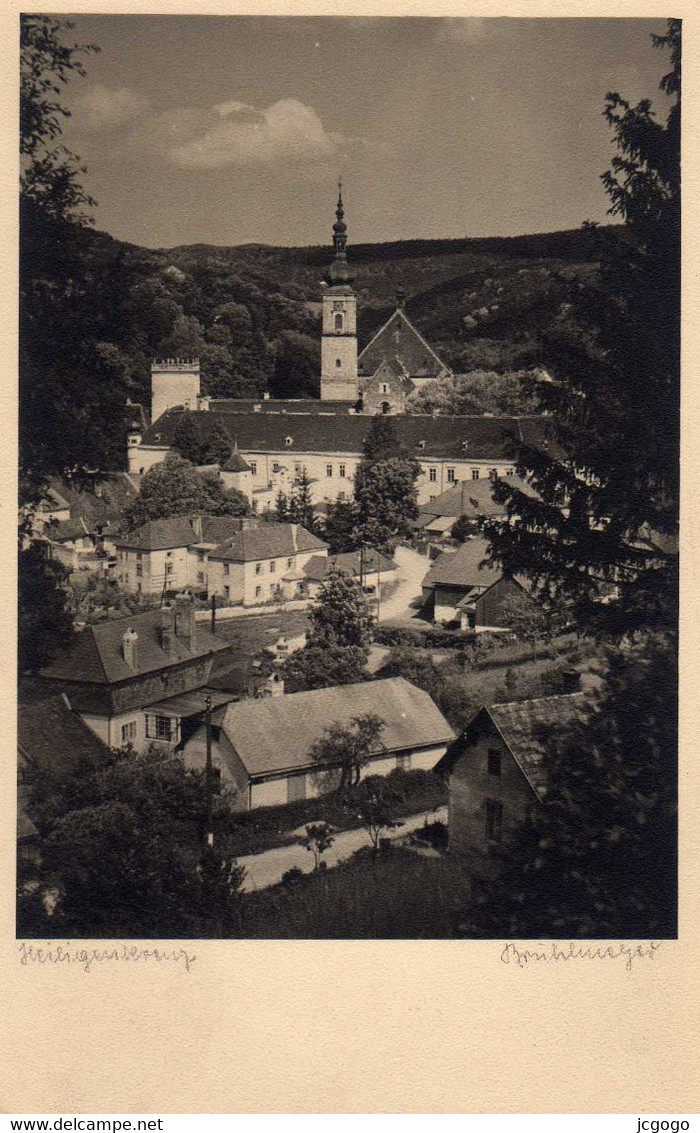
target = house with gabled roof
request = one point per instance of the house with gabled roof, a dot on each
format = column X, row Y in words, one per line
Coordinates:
column 262, row 563
column 168, row 555
column 463, row 586
column 140, row 679
column 262, row 747
column 471, row 498
column 496, row 769
column 368, row 567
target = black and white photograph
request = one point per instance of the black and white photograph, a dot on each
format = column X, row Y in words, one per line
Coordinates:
column 349, row 464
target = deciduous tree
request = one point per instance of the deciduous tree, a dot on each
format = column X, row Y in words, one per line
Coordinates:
column 348, row 748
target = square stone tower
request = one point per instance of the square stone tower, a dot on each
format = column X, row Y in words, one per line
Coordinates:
column 174, row 381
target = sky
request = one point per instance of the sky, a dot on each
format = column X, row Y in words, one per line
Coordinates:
column 232, row 130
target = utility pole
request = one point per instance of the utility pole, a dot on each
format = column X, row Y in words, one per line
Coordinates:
column 379, row 583
column 213, row 613
column 209, row 831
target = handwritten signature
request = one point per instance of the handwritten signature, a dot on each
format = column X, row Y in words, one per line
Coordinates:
column 80, row 957
column 554, row 952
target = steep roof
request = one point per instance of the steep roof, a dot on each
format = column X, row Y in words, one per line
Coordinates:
column 95, row 654
column 525, row 727
column 399, row 342
column 99, row 498
column 51, row 737
column 268, row 541
column 236, row 463
column 472, row 498
column 276, row 734
column 456, row 438
column 318, row 566
column 180, row 531
column 463, row 567
column 160, row 535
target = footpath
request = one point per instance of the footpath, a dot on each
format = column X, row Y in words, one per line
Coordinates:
column 267, row 868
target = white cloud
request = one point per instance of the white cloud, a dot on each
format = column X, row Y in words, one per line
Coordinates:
column 100, row 107
column 234, row 133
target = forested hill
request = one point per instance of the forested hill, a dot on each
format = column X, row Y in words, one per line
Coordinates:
column 251, row 313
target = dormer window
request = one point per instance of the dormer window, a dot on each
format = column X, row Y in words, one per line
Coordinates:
column 421, row 445
column 289, row 441
column 465, row 445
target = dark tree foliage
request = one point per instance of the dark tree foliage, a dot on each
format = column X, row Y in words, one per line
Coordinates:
column 348, row 747
column 599, row 859
column 339, row 637
column 614, row 358
column 124, row 842
column 297, row 365
column 49, row 172
column 175, row 487
column 300, row 505
column 386, row 496
column 45, row 626
column 340, row 527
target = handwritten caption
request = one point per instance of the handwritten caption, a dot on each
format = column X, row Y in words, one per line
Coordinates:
column 552, row 952
column 77, row 956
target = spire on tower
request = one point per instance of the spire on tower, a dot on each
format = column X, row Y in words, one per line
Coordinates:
column 339, row 272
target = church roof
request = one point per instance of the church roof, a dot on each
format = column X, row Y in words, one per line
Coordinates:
column 403, row 347
column 450, row 438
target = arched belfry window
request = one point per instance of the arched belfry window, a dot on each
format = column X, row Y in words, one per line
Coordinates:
column 338, row 322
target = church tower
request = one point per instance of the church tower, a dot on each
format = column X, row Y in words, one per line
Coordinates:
column 339, row 329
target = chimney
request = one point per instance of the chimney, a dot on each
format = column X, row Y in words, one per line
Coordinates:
column 185, row 624
column 167, row 630
column 266, row 396
column 130, row 648
column 400, row 298
column 295, row 536
column 196, row 521
column 570, row 681
column 274, row 685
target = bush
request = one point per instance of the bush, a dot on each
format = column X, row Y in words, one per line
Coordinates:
column 253, row 831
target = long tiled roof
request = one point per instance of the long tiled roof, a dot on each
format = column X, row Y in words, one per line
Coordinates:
column 451, row 438
column 318, row 566
column 278, row 405
column 276, row 734
column 160, row 535
column 471, row 498
column 180, row 531
column 463, row 567
column 268, row 541
column 95, row 654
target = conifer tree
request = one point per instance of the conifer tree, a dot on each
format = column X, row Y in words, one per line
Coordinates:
column 614, row 398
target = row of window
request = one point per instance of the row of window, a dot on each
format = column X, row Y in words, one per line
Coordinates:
column 272, row 568
column 476, row 474
column 432, row 472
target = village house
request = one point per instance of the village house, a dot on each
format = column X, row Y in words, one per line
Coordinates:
column 140, row 679
column 462, row 587
column 260, row 748
column 496, row 769
column 368, row 567
column 470, row 498
column 263, row 563
column 167, row 555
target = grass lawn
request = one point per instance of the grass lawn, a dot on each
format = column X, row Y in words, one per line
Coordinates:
column 251, row 634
